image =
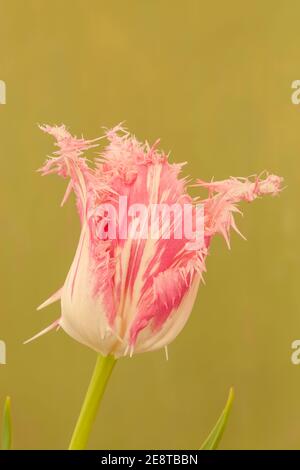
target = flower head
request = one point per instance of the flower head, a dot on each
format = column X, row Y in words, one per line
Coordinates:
column 137, row 268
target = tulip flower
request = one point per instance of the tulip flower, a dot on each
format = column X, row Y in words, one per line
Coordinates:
column 131, row 286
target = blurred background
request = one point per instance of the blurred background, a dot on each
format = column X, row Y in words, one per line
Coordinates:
column 213, row 81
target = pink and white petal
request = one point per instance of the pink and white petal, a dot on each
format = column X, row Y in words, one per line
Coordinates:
column 54, row 325
column 54, row 298
column 149, row 340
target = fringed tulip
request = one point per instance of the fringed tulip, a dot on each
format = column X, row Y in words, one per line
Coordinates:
column 126, row 292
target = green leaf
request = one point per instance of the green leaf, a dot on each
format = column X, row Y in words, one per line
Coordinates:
column 212, row 441
column 7, row 427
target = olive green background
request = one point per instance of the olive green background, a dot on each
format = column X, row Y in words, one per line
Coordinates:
column 213, row 81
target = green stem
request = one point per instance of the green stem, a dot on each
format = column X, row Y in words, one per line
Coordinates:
column 101, row 374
